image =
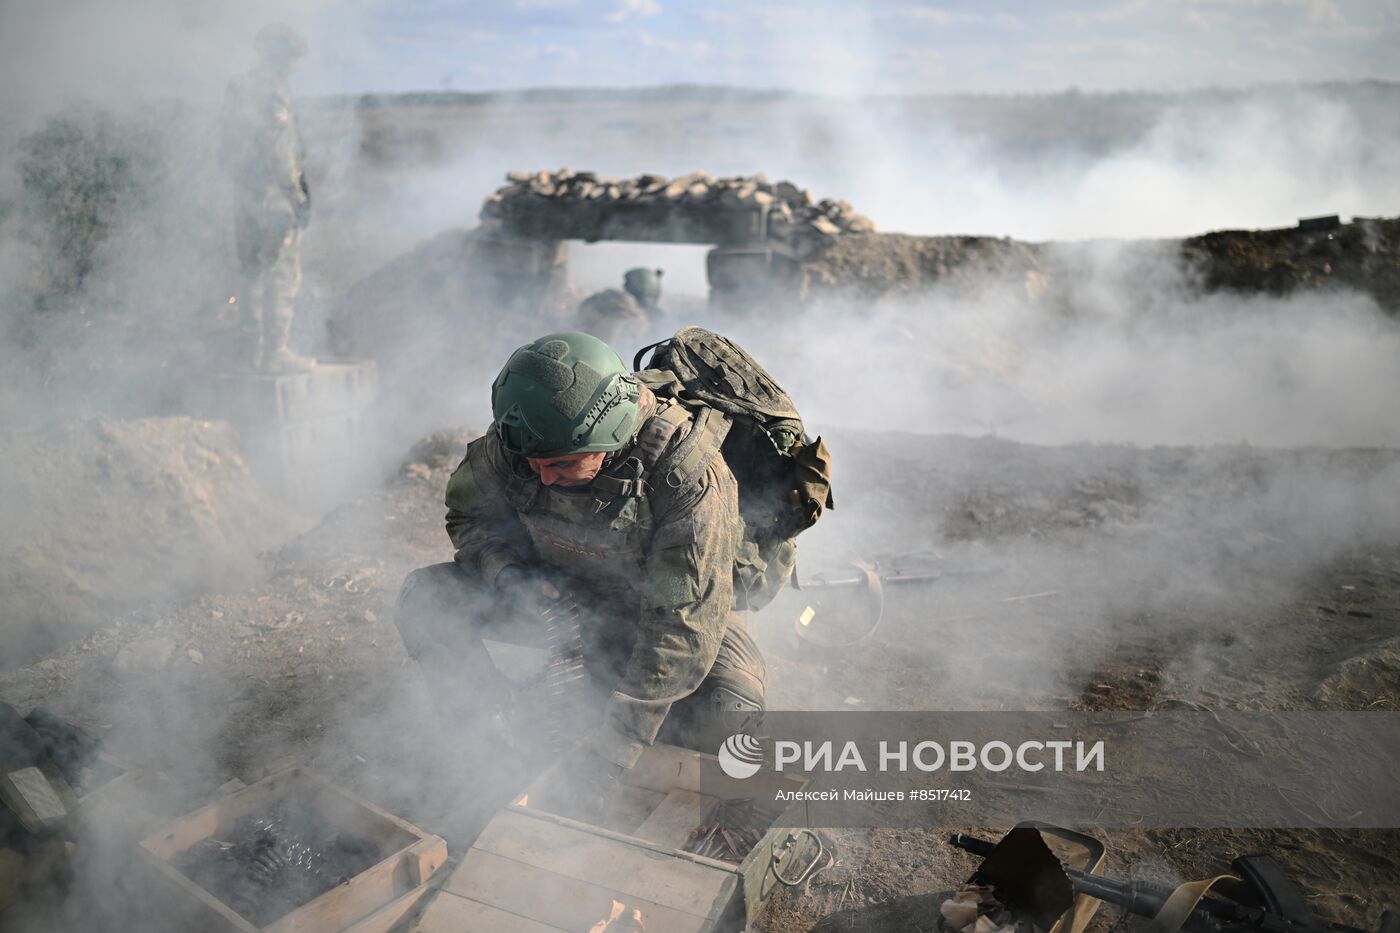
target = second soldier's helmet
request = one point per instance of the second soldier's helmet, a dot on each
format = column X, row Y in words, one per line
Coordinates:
column 564, row 394
column 278, row 42
column 643, row 285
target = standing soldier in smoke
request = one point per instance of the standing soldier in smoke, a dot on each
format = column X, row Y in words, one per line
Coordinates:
column 623, row 317
column 264, row 157
column 610, row 487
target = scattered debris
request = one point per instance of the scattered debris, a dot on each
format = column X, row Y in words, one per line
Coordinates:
column 144, row 656
column 737, row 827
column 974, row 908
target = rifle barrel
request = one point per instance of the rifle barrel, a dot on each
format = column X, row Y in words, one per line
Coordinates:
column 830, row 583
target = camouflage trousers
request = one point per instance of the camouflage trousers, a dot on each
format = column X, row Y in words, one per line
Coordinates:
column 269, row 262
column 445, row 613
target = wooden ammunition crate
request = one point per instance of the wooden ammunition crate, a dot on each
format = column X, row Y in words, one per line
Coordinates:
column 302, row 433
column 369, row 902
column 535, row 870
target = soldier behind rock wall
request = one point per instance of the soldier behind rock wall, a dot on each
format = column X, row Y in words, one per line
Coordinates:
column 264, row 158
column 624, row 318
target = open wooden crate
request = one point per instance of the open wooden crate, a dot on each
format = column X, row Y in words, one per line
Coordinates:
column 534, row 869
column 372, row 900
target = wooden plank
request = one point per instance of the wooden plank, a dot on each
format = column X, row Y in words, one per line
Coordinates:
column 11, row 878
column 338, row 806
column 413, row 856
column 353, row 814
column 667, row 768
column 219, row 816
column 554, row 792
column 32, row 798
column 391, row 914
column 609, row 861
column 425, row 858
column 678, row 815
column 190, row 906
column 448, row 913
column 554, row 899
column 630, row 807
column 627, row 810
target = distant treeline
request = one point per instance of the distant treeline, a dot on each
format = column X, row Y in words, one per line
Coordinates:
column 684, row 93
column 705, row 93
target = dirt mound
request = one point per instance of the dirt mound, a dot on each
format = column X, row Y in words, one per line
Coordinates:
column 874, row 265
column 103, row 516
column 1368, row 680
column 429, row 280
column 1360, row 255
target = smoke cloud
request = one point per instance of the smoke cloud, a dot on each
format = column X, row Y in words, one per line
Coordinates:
column 1131, row 461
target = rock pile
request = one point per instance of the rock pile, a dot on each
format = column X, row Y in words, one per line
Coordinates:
column 794, row 217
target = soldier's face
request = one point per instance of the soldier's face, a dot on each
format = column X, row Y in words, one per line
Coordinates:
column 575, row 470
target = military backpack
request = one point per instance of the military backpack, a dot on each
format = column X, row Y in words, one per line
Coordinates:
column 784, row 476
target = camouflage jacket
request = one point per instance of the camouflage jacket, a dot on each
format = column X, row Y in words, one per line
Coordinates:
column 613, row 316
column 655, row 537
column 261, row 145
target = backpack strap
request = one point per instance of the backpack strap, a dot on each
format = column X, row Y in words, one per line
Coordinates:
column 698, row 448
column 629, row 478
column 637, row 360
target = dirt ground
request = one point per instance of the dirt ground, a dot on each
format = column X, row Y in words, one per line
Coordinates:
column 1106, row 578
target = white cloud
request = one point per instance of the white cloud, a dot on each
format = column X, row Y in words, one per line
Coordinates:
column 724, row 18
column 553, row 52
column 633, row 9
column 943, row 18
column 673, row 46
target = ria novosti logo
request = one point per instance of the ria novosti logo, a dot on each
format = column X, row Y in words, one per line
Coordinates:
column 740, row 756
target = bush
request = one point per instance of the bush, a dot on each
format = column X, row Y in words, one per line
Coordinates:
column 79, row 175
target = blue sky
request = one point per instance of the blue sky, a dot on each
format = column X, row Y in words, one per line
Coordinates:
column 883, row 46
column 55, row 50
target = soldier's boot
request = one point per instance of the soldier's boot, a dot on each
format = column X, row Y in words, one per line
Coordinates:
column 250, row 351
column 278, row 356
column 250, row 342
column 283, row 281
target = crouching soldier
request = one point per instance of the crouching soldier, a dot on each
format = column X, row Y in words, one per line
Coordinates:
column 593, row 485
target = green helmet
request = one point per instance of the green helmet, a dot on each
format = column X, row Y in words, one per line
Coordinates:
column 278, row 42
column 643, row 285
column 565, row 394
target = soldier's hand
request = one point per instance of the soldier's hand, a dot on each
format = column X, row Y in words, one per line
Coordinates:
column 303, row 208
column 527, row 592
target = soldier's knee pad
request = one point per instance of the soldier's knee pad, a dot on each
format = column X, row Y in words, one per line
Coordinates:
column 739, row 666
column 427, row 600
column 731, row 699
column 703, row 720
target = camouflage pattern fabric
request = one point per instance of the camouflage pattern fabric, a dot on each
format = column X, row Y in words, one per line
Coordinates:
column 615, row 317
column 264, row 158
column 662, row 553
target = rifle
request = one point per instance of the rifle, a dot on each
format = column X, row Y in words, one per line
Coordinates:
column 876, row 576
column 853, row 621
column 1264, row 899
